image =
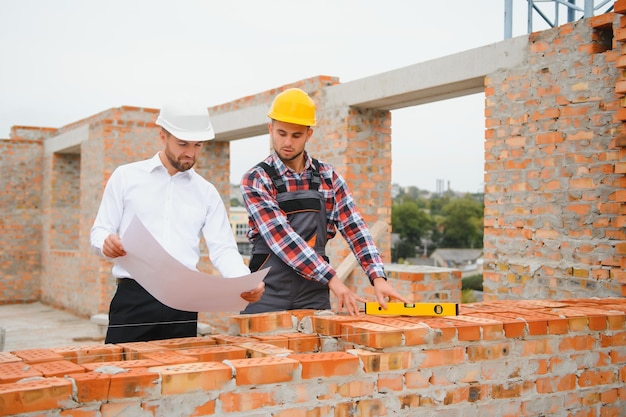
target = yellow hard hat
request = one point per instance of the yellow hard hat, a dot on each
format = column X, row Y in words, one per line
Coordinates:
column 293, row 106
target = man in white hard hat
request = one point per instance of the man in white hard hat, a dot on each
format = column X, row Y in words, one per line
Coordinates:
column 176, row 205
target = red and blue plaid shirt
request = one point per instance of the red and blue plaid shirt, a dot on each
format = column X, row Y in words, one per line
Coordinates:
column 266, row 219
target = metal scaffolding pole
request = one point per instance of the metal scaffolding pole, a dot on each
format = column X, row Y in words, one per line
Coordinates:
column 574, row 11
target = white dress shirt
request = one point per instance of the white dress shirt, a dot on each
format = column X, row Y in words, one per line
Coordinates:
column 177, row 210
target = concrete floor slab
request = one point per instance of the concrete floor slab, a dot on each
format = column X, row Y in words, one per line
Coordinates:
column 36, row 325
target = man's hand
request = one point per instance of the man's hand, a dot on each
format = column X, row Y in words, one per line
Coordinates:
column 382, row 289
column 345, row 297
column 255, row 294
column 112, row 247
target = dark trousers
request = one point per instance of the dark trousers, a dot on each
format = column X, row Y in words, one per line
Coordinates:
column 136, row 316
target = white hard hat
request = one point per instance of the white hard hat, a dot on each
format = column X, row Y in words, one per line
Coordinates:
column 186, row 121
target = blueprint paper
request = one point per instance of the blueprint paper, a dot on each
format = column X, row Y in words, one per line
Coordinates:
column 175, row 285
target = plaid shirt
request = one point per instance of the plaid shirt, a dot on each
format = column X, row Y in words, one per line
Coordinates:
column 266, row 219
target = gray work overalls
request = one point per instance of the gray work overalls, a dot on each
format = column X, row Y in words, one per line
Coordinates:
column 286, row 289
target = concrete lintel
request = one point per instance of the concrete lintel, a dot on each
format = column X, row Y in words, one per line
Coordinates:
column 241, row 123
column 67, row 142
column 438, row 79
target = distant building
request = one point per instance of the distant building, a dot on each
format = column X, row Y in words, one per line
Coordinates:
column 239, row 224
column 468, row 261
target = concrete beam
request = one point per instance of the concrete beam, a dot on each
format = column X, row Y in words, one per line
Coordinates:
column 241, row 123
column 439, row 79
column 67, row 142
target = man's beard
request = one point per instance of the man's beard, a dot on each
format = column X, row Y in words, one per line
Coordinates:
column 292, row 158
column 180, row 166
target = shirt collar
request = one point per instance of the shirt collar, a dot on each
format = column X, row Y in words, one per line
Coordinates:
column 155, row 163
column 281, row 168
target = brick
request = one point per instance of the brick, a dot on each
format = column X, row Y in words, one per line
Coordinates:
column 58, row 368
column 510, row 390
column 226, row 339
column 80, row 412
column 536, row 347
column 389, row 383
column 300, row 342
column 372, row 335
column 604, row 20
column 37, row 355
column 208, row 408
column 6, row 357
column 277, row 340
column 442, row 357
column 477, row 353
column 615, row 339
column 364, row 408
column 200, row 376
column 184, row 342
column 233, row 402
column 383, row 361
column 131, row 350
column 137, row 363
column 168, row 358
column 304, row 411
column 414, row 333
column 215, row 353
column 90, row 353
column 585, row 343
column 331, row 325
column 133, row 382
column 14, row 371
column 556, row 384
column 122, row 408
column 91, row 386
column 247, row 324
column 34, row 395
column 354, row 388
column 326, row 365
column 619, row 6
column 267, row 370
column 259, row 350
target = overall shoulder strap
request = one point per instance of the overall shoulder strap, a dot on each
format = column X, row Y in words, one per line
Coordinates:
column 315, row 181
column 278, row 182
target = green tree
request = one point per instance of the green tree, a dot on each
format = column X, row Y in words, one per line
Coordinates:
column 462, row 226
column 412, row 224
column 401, row 250
column 436, row 204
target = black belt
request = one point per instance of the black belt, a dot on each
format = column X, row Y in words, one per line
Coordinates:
column 121, row 281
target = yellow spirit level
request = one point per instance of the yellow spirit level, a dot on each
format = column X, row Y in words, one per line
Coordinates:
column 417, row 309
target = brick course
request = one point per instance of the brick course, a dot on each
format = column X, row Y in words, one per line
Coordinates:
column 569, row 357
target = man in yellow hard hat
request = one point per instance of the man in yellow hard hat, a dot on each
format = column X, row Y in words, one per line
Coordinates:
column 177, row 206
column 296, row 203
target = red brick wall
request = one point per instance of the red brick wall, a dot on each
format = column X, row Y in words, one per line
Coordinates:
column 554, row 224
column 21, row 185
column 501, row 358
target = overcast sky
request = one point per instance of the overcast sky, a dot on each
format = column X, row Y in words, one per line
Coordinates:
column 65, row 60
